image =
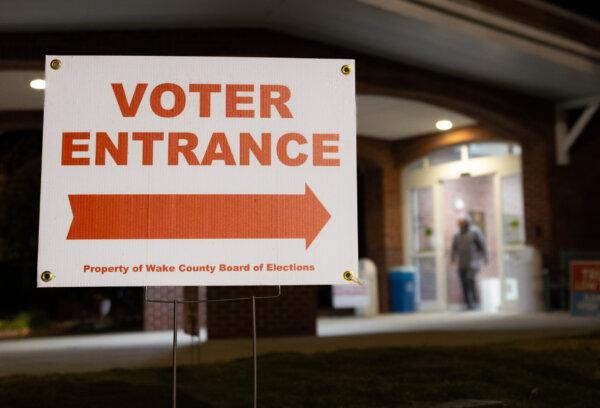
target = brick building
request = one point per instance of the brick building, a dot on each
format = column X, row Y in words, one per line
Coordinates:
column 508, row 67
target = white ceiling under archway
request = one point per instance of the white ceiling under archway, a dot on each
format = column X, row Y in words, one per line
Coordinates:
column 394, row 118
column 16, row 94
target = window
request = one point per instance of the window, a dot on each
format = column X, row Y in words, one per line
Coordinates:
column 427, row 276
column 513, row 227
column 445, row 155
column 516, row 150
column 488, row 149
column 422, row 219
column 416, row 165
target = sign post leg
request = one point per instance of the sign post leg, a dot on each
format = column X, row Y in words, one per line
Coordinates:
column 175, row 302
column 254, row 356
column 174, row 385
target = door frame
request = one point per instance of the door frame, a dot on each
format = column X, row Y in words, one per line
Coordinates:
column 433, row 177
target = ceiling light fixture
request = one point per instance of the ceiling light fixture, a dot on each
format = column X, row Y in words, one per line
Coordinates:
column 38, row 84
column 443, row 124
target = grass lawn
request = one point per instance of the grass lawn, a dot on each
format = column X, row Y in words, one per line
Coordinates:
column 562, row 372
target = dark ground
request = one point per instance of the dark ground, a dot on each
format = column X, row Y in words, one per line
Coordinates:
column 562, row 372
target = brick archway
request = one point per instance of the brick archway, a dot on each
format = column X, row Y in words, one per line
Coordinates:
column 389, row 158
column 500, row 113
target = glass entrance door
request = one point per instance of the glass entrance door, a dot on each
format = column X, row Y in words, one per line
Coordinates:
column 423, row 245
column 475, row 197
column 483, row 180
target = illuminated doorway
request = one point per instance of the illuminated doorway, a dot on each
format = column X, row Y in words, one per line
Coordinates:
column 482, row 179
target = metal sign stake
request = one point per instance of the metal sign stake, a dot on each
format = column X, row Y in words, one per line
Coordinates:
column 254, row 357
column 175, row 302
column 174, row 385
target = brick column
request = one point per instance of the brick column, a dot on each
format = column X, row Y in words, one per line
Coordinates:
column 159, row 316
column 292, row 314
column 537, row 159
column 381, row 204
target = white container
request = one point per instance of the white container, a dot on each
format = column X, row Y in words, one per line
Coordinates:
column 368, row 274
column 363, row 298
column 491, row 295
column 523, row 284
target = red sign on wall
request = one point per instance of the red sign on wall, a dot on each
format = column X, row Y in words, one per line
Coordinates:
column 585, row 276
column 585, row 288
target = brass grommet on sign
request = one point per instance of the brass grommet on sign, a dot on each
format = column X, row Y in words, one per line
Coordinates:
column 349, row 276
column 55, row 64
column 346, row 69
column 47, row 276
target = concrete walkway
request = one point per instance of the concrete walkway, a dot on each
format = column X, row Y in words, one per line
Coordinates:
column 151, row 349
column 450, row 321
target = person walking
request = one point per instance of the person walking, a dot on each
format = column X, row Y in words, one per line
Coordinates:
column 468, row 249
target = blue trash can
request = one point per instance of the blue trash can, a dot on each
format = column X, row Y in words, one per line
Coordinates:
column 403, row 287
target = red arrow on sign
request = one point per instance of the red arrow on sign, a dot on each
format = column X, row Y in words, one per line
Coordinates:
column 205, row 216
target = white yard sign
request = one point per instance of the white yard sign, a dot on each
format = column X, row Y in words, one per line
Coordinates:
column 197, row 171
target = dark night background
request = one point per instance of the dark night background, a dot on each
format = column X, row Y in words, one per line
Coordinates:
column 20, row 169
